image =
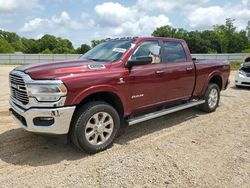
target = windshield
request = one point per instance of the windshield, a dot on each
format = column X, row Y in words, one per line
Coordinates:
column 108, row 51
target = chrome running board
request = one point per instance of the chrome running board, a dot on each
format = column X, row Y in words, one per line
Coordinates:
column 163, row 112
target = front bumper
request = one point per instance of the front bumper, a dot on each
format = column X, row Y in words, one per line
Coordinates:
column 54, row 120
column 242, row 80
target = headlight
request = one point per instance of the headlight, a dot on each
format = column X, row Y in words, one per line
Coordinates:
column 242, row 73
column 46, row 92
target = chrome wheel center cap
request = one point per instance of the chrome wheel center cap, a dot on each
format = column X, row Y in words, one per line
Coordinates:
column 99, row 128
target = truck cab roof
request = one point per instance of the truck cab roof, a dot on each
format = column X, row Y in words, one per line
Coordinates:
column 137, row 39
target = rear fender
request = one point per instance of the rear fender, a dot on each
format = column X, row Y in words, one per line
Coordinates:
column 210, row 76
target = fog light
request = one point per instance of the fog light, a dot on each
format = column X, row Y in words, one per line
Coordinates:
column 43, row 121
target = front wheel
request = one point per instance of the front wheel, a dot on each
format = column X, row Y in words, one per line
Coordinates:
column 95, row 127
column 212, row 98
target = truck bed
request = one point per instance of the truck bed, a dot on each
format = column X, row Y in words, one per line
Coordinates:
column 206, row 69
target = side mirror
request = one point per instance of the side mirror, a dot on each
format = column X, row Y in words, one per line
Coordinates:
column 138, row 61
column 155, row 50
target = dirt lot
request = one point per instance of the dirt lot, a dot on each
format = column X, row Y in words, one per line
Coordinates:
column 185, row 149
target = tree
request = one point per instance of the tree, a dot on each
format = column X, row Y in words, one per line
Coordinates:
column 181, row 33
column 94, row 43
column 196, row 43
column 31, row 46
column 47, row 51
column 248, row 29
column 9, row 36
column 248, row 34
column 18, row 46
column 83, row 49
column 5, row 47
column 222, row 39
column 63, row 46
column 230, row 40
column 212, row 41
column 13, row 39
column 194, row 39
column 63, row 50
column 48, row 42
column 164, row 31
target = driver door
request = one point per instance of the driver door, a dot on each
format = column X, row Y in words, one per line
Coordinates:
column 145, row 80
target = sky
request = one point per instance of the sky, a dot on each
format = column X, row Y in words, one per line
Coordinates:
column 84, row 20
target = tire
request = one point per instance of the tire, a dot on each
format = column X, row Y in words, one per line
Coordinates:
column 212, row 98
column 94, row 127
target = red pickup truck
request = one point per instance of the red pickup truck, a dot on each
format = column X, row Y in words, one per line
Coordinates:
column 120, row 82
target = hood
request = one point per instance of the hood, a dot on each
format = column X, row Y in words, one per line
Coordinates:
column 53, row 70
column 246, row 67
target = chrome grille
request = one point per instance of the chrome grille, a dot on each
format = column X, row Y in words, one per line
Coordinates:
column 18, row 89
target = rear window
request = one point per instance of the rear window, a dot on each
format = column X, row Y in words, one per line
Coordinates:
column 174, row 52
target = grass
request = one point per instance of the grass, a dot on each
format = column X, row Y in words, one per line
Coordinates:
column 235, row 65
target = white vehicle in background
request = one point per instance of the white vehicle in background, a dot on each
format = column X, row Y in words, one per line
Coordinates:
column 242, row 77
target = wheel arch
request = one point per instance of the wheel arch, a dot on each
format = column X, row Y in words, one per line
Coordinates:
column 247, row 59
column 217, row 79
column 106, row 96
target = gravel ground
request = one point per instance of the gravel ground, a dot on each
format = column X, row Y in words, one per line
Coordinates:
column 185, row 149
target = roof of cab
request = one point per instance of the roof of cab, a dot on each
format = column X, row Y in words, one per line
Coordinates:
column 139, row 39
column 159, row 38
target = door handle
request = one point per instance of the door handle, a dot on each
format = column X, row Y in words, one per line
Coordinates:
column 159, row 72
column 189, row 68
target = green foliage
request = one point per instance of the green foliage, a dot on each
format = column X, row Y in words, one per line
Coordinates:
column 235, row 65
column 83, row 49
column 31, row 46
column 18, row 46
column 222, row 39
column 13, row 39
column 48, row 44
column 5, row 47
column 230, row 40
column 196, row 43
column 55, row 45
column 9, row 36
column 165, row 31
column 96, row 42
column 246, row 50
column 47, row 51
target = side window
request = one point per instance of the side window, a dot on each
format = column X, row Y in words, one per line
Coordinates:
column 144, row 51
column 174, row 52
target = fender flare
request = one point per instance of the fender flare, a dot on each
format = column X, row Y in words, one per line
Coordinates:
column 210, row 76
column 247, row 59
column 97, row 89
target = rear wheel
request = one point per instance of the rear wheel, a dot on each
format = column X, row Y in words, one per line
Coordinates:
column 95, row 127
column 212, row 98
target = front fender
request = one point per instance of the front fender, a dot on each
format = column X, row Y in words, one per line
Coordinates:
column 97, row 89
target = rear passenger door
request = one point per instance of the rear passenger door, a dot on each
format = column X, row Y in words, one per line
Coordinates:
column 179, row 73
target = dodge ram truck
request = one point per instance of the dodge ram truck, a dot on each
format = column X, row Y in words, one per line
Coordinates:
column 119, row 82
